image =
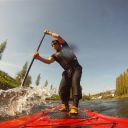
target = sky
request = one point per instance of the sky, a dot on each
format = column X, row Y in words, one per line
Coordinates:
column 97, row 28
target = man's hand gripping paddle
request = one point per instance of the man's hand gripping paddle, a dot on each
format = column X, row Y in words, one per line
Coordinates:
column 23, row 82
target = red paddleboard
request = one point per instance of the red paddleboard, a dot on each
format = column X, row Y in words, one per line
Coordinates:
column 53, row 118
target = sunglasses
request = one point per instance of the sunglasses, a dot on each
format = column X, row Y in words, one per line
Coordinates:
column 54, row 44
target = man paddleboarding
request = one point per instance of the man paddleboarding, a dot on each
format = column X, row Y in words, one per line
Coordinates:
column 71, row 75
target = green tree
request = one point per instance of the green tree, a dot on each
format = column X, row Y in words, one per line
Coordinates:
column 46, row 83
column 6, row 81
column 127, row 80
column 38, row 80
column 122, row 84
column 51, row 87
column 117, row 86
column 28, row 81
column 2, row 48
column 20, row 76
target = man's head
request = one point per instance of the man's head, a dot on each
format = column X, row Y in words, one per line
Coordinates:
column 55, row 44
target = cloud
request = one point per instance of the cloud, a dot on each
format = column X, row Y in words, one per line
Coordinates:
column 7, row 64
column 9, row 68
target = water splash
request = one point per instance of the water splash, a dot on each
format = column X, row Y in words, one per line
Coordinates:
column 23, row 101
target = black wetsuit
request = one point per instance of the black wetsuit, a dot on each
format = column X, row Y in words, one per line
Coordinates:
column 71, row 75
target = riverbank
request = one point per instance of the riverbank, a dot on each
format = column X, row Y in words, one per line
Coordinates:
column 121, row 97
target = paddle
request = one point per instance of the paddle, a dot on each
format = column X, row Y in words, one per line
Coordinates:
column 22, row 84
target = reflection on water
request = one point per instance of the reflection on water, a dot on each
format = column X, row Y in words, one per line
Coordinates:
column 114, row 107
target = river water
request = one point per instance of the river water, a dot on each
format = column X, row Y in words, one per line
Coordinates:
column 113, row 107
column 18, row 102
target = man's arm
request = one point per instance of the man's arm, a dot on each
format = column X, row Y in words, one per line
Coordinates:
column 55, row 35
column 48, row 60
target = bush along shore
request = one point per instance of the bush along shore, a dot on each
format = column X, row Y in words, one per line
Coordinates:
column 7, row 82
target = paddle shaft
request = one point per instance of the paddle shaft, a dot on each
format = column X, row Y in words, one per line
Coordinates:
column 23, row 82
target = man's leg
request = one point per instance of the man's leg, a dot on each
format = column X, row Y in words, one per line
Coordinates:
column 77, row 91
column 64, row 91
column 76, row 101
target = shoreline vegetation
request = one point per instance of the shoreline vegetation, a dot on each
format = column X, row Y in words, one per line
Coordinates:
column 7, row 82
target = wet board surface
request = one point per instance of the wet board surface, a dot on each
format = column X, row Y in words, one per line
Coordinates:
column 65, row 115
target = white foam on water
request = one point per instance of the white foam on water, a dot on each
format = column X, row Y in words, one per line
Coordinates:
column 23, row 100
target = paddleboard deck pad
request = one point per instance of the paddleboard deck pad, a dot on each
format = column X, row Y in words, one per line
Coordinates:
column 53, row 118
column 65, row 115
